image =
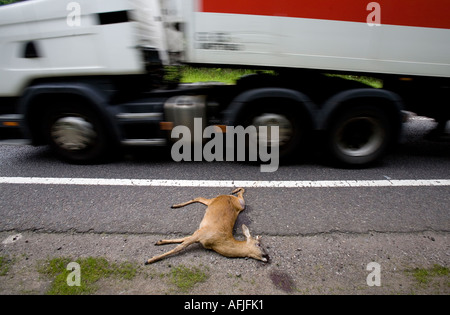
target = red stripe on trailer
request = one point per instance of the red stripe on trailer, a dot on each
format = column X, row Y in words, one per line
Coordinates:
column 419, row 13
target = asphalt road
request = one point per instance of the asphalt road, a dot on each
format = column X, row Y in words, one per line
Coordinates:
column 270, row 211
column 322, row 226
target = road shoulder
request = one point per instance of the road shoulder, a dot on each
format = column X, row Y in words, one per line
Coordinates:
column 333, row 263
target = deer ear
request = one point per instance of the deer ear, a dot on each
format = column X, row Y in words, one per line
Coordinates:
column 246, row 231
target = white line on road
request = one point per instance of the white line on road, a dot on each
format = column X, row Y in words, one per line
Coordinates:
column 222, row 183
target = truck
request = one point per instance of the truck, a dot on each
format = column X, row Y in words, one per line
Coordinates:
column 89, row 77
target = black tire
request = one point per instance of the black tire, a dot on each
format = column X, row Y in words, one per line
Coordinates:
column 76, row 134
column 359, row 136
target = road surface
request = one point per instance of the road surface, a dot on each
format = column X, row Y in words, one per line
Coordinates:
column 408, row 194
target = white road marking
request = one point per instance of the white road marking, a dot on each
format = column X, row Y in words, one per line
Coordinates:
column 222, row 183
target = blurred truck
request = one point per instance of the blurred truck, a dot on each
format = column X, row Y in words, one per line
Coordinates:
column 88, row 77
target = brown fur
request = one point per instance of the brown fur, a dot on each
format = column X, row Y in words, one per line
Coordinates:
column 216, row 230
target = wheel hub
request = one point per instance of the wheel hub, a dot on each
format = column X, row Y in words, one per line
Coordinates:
column 360, row 136
column 286, row 128
column 73, row 133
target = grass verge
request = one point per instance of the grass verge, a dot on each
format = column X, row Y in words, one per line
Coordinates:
column 3, row 2
column 230, row 76
column 185, row 278
column 425, row 276
column 436, row 278
column 5, row 264
column 91, row 271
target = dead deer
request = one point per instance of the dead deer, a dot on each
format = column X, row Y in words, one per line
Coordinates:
column 216, row 230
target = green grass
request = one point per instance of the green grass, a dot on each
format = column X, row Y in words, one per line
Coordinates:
column 425, row 276
column 92, row 270
column 228, row 76
column 5, row 264
column 3, row 2
column 373, row 82
column 185, row 278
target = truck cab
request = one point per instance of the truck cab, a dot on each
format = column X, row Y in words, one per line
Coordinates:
column 69, row 70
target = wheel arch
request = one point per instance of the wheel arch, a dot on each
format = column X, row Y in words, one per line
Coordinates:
column 244, row 101
column 388, row 101
column 39, row 99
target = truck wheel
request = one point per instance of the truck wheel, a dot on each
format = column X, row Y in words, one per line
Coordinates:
column 292, row 128
column 76, row 134
column 359, row 136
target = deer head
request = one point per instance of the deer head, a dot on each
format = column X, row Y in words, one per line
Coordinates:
column 254, row 246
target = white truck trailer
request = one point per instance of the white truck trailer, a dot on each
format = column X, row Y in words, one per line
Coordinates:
column 86, row 76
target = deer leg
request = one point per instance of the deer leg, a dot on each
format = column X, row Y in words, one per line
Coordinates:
column 240, row 196
column 239, row 191
column 201, row 200
column 187, row 242
column 175, row 241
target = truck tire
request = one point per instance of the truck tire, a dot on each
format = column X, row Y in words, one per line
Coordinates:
column 359, row 136
column 76, row 134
